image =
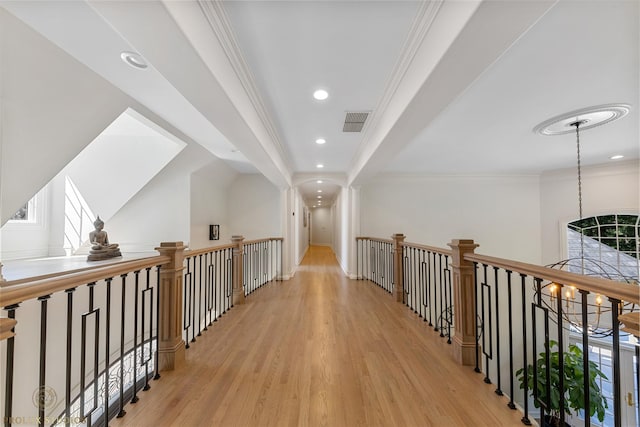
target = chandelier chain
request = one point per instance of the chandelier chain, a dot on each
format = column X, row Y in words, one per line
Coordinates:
column 577, row 125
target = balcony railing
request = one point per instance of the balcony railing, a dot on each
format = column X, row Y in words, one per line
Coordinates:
column 509, row 319
column 78, row 346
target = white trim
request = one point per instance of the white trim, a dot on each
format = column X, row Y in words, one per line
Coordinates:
column 219, row 22
column 420, row 27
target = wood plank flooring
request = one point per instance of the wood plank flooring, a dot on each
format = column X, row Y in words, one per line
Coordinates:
column 320, row 350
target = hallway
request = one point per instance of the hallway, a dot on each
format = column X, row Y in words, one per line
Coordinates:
column 320, row 350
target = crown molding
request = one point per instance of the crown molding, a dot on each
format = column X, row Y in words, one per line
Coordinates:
column 420, row 27
column 219, row 22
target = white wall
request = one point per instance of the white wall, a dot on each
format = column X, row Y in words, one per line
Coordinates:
column 48, row 114
column 322, row 226
column 303, row 227
column 161, row 211
column 209, row 191
column 342, row 230
column 254, row 208
column 21, row 239
column 610, row 188
column 500, row 213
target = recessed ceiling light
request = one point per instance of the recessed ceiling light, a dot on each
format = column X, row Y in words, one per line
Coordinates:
column 134, row 60
column 319, row 197
column 320, row 141
column 319, row 165
column 319, row 191
column 320, row 94
column 616, row 157
column 319, row 181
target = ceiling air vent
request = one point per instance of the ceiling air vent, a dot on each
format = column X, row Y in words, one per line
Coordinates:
column 354, row 121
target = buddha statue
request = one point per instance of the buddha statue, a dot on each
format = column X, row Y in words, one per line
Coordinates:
column 100, row 247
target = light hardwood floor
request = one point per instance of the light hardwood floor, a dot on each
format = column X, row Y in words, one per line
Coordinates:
column 320, row 350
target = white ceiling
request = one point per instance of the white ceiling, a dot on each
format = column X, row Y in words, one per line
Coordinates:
column 454, row 87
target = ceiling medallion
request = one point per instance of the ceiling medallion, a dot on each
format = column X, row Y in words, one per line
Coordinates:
column 587, row 117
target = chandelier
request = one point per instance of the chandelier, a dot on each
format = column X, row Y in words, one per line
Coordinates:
column 598, row 325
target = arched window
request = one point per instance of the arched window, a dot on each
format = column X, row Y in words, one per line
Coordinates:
column 609, row 240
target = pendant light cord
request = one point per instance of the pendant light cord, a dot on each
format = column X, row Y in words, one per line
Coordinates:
column 577, row 125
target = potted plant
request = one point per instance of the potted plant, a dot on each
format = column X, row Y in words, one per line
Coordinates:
column 573, row 384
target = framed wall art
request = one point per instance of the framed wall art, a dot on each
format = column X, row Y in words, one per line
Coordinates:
column 214, row 232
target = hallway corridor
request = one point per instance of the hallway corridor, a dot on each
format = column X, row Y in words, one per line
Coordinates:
column 320, row 350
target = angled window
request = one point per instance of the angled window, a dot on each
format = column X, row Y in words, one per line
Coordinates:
column 26, row 214
column 613, row 241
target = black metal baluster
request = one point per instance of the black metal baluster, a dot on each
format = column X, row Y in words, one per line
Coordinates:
column 439, row 312
column 43, row 357
column 246, row 273
column 200, row 296
column 156, row 363
column 67, row 383
column 194, row 325
column 417, row 301
column 96, row 357
column 123, row 301
column 436, row 326
column 445, row 295
column 637, row 382
column 372, row 264
column 269, row 258
column 414, row 270
column 210, row 285
column 186, row 307
column 228, row 287
column 265, row 260
column 390, row 258
column 475, row 318
column 487, row 356
column 525, row 419
column 223, row 282
column 246, row 276
column 379, row 267
column 617, row 400
column 423, row 288
column 8, row 387
column 106, row 351
column 386, row 277
column 430, row 288
column 216, row 284
column 498, row 390
column 134, row 398
column 148, row 292
column 280, row 249
column 585, row 356
column 511, row 403
column 545, row 405
column 358, row 258
column 405, row 275
column 450, row 306
column 560, row 358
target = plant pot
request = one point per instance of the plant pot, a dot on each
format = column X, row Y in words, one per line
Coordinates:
column 550, row 421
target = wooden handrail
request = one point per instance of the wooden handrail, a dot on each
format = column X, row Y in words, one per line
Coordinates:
column 435, row 249
column 190, row 253
column 375, row 239
column 266, row 239
column 6, row 328
column 610, row 288
column 14, row 293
